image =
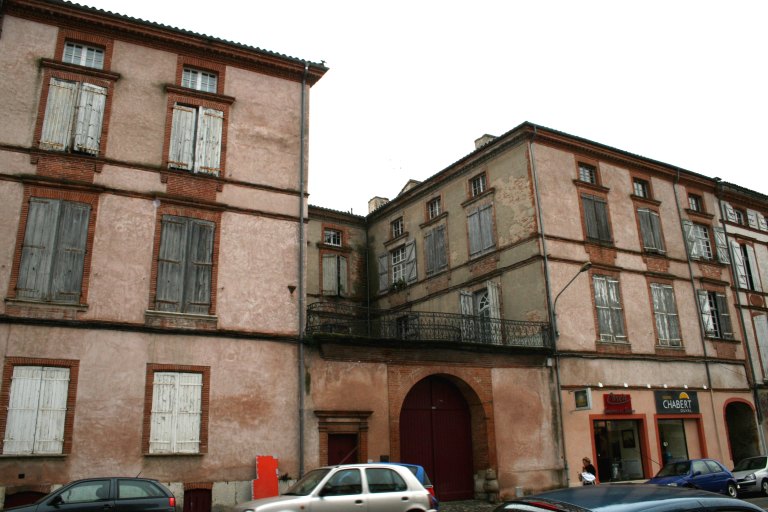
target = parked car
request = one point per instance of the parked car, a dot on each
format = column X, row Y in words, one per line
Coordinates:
column 348, row 488
column 421, row 475
column 706, row 474
column 115, row 493
column 625, row 498
column 752, row 474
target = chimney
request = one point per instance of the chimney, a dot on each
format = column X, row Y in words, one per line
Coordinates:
column 376, row 203
column 485, row 139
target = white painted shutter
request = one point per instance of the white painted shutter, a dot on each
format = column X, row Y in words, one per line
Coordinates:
column 690, row 239
column 38, row 249
column 725, row 317
column 182, row 149
column 657, row 295
column 208, row 152
column 466, row 305
column 728, row 212
column 762, row 222
column 752, row 262
column 162, row 426
column 752, row 219
column 59, row 111
column 69, row 260
column 706, row 313
column 330, row 275
column 738, row 264
column 188, row 412
column 494, row 311
column 761, row 333
column 36, row 410
column 722, row 245
column 383, row 272
column 410, row 262
column 90, row 113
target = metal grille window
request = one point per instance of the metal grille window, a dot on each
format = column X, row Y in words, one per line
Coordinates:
column 37, row 410
column 53, row 251
column 433, row 208
column 715, row 315
column 397, row 227
column 587, row 173
column 665, row 311
column 196, row 138
column 610, row 316
column 596, row 218
column 199, row 80
column 184, row 265
column 332, row 237
column 73, row 118
column 477, row 185
column 640, row 188
column 83, row 55
column 650, row 228
column 176, row 412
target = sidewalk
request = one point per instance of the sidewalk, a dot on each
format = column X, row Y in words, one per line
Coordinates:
column 467, row 506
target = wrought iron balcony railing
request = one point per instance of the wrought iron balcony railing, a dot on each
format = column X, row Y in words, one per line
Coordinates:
column 360, row 322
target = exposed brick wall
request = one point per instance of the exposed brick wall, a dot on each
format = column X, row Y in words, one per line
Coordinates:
column 184, row 184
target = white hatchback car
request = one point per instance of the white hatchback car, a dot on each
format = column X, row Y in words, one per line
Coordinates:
column 752, row 475
column 351, row 487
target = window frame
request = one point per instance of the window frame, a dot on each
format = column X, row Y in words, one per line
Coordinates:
column 205, row 385
column 641, row 188
column 587, row 172
column 614, row 306
column 5, row 396
column 666, row 318
column 397, row 228
column 84, row 49
column 695, row 203
column 597, row 220
column 199, row 79
column 478, row 185
column 715, row 314
column 434, row 208
column 332, row 237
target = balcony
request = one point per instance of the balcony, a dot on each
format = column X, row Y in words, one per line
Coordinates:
column 340, row 321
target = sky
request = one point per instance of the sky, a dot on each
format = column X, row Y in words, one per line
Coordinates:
column 413, row 83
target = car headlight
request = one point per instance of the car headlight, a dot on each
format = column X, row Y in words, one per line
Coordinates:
column 673, row 484
column 750, row 476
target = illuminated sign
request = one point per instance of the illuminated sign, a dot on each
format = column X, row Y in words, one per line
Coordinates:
column 616, row 403
column 676, row 402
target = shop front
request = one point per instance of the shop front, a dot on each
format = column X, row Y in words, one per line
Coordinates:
column 620, row 440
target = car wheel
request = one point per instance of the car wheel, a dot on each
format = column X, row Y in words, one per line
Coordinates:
column 731, row 490
column 764, row 487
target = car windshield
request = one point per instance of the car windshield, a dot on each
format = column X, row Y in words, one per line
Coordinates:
column 307, row 483
column 675, row 469
column 751, row 463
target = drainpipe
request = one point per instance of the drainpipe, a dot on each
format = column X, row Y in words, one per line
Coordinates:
column 548, row 284
column 302, row 269
column 702, row 331
column 735, row 278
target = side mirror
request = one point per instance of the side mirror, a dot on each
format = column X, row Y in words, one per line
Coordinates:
column 58, row 500
column 697, row 473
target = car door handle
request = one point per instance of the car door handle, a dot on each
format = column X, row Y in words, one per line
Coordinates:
column 404, row 498
column 358, row 502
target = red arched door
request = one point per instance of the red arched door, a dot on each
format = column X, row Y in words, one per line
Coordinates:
column 435, row 432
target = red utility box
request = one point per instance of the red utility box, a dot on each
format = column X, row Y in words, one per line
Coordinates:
column 265, row 484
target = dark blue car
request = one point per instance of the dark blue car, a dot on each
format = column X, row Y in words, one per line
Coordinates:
column 705, row 474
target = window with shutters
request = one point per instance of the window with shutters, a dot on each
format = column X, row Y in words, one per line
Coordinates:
column 596, row 219
column 715, row 316
column 185, row 265
column 480, row 230
column 196, row 135
column 610, row 315
column 665, row 313
column 39, row 399
column 481, row 314
column 53, row 251
column 435, row 250
column 650, row 230
column 398, row 265
column 699, row 240
column 74, row 113
column 397, row 268
column 335, row 275
column 745, row 266
column 178, row 416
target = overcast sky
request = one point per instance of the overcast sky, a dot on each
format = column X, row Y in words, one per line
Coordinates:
column 413, row 83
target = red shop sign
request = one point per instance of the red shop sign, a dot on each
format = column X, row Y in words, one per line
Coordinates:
column 617, row 403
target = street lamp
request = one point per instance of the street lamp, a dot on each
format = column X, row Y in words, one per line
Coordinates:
column 584, row 267
column 555, row 335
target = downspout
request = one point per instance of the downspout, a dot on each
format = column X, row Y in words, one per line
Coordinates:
column 302, row 267
column 735, row 278
column 702, row 331
column 548, row 285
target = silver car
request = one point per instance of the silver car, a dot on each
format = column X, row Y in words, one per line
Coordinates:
column 351, row 487
column 752, row 474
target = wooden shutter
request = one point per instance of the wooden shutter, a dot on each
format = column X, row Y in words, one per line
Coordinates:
column 751, row 261
column 473, row 230
column 383, row 272
column 181, row 154
column 410, row 262
column 208, row 150
column 662, row 328
column 36, row 410
column 330, row 275
column 162, row 421
column 67, row 271
column 430, row 253
column 441, row 250
column 762, row 222
column 752, row 219
column 728, row 212
column 38, row 249
column 690, row 239
column 197, row 287
column 59, row 112
column 494, row 311
column 188, row 412
column 170, row 270
column 466, row 306
column 722, row 245
column 486, row 227
column 343, row 284
column 706, row 314
column 88, row 120
column 603, row 310
column 617, row 316
column 726, row 331
column 738, row 265
column 673, row 319
column 596, row 218
column 650, row 228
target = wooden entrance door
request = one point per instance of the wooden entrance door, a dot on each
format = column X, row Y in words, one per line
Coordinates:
column 435, row 432
column 342, row 449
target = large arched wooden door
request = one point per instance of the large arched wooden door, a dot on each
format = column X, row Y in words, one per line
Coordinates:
column 435, row 432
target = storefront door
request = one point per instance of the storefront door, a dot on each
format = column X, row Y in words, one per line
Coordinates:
column 674, row 446
column 618, row 448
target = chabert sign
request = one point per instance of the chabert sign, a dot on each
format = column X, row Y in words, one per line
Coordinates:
column 677, row 402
